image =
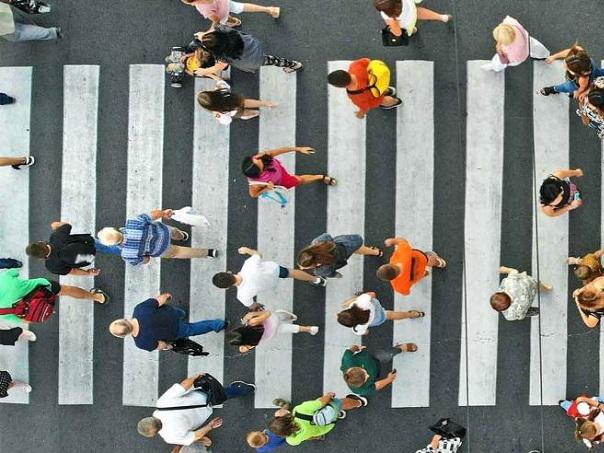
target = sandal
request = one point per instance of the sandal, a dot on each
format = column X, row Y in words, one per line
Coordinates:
column 407, row 347
column 275, row 12
column 100, row 291
column 233, row 22
column 419, row 314
column 185, row 236
column 329, row 181
column 296, row 67
column 379, row 250
column 441, row 262
column 280, row 402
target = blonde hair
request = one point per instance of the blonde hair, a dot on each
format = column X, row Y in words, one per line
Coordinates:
column 120, row 328
column 148, row 426
column 504, row 34
column 256, row 439
column 110, row 236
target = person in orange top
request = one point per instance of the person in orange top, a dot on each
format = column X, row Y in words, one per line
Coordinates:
column 407, row 265
column 357, row 83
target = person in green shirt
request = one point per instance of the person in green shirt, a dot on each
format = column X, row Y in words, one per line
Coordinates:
column 14, row 288
column 362, row 369
column 301, row 423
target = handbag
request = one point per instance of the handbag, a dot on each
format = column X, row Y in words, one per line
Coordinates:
column 187, row 346
column 391, row 40
column 278, row 194
column 448, row 429
column 212, row 388
column 36, row 307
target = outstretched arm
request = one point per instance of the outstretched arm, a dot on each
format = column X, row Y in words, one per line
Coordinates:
column 289, row 149
column 567, row 173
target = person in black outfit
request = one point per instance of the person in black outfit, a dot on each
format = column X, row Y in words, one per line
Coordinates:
column 66, row 253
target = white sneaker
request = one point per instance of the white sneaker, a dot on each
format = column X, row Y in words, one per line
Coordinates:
column 28, row 335
column 314, row 330
column 27, row 388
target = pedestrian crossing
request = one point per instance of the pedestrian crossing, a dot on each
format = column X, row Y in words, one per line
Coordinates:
column 346, row 159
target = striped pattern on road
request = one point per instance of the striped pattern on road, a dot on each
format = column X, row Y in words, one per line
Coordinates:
column 78, row 207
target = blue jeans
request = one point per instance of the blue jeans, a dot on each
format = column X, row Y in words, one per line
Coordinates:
column 107, row 249
column 191, row 329
column 30, row 32
column 570, row 86
column 236, row 391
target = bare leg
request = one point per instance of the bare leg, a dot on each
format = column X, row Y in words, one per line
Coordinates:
column 309, row 179
column 428, row 14
column 256, row 104
column 6, row 161
column 350, row 404
column 27, row 335
column 305, row 329
column 297, row 274
column 253, row 8
column 397, row 315
column 389, row 100
column 248, row 114
column 79, row 293
column 506, row 270
column 364, row 250
column 177, row 234
column 24, row 386
column 545, row 286
column 176, row 251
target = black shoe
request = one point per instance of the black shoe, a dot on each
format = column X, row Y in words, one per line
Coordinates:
column 29, row 161
column 546, row 91
column 322, row 282
column 243, row 384
column 390, row 91
column 212, row 253
column 59, row 32
column 227, row 323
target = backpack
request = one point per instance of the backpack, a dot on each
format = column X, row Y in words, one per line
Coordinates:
column 323, row 417
column 379, row 77
column 37, row 306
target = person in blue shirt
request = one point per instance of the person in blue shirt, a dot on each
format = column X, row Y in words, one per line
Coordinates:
column 266, row 441
column 156, row 325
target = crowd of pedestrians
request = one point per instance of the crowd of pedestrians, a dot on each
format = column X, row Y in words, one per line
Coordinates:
column 183, row 412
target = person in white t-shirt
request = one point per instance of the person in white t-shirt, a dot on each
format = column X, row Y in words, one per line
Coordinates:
column 257, row 276
column 186, row 426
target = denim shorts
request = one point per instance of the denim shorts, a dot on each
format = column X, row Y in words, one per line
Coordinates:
column 379, row 316
column 351, row 242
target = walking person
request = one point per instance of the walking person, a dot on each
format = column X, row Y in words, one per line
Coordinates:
column 218, row 11
column 13, row 289
column 17, row 162
column 266, row 441
column 558, row 194
column 259, row 327
column 591, row 107
column 401, row 16
column 186, row 426
column 407, row 265
column 590, row 302
column 226, row 106
column 13, row 28
column 155, row 324
column 440, row 444
column 242, row 51
column 581, row 70
column 9, row 337
column 367, row 84
column 313, row 419
column 588, row 267
column 514, row 46
column 145, row 237
column 590, row 430
column 361, row 369
column 65, row 253
column 326, row 254
column 364, row 311
column 265, row 172
column 516, row 294
column 257, row 276
column 7, row 383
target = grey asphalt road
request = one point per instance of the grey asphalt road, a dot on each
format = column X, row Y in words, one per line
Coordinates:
column 115, row 34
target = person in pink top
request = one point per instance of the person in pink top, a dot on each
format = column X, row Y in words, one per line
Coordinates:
column 218, row 11
column 514, row 46
column 265, row 172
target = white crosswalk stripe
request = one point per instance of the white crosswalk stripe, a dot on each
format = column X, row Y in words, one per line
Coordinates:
column 346, row 159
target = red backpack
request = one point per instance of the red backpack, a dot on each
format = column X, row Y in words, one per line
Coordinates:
column 38, row 306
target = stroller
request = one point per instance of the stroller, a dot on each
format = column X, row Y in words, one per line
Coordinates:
column 32, row 6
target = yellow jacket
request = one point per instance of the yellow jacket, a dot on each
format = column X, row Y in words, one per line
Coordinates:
column 7, row 22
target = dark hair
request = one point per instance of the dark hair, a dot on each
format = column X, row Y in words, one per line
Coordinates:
column 353, row 316
column 245, row 336
column 577, row 60
column 585, row 273
column 339, row 78
column 38, row 249
column 588, row 298
column 223, row 43
column 391, row 8
column 387, row 272
column 550, row 189
column 283, row 426
column 321, row 253
column 251, row 170
column 596, row 97
column 224, row 280
column 500, row 301
column 220, row 100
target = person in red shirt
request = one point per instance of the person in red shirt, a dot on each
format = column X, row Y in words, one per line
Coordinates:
column 359, row 82
column 407, row 265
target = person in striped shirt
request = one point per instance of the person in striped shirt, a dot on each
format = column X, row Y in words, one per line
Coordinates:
column 145, row 237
